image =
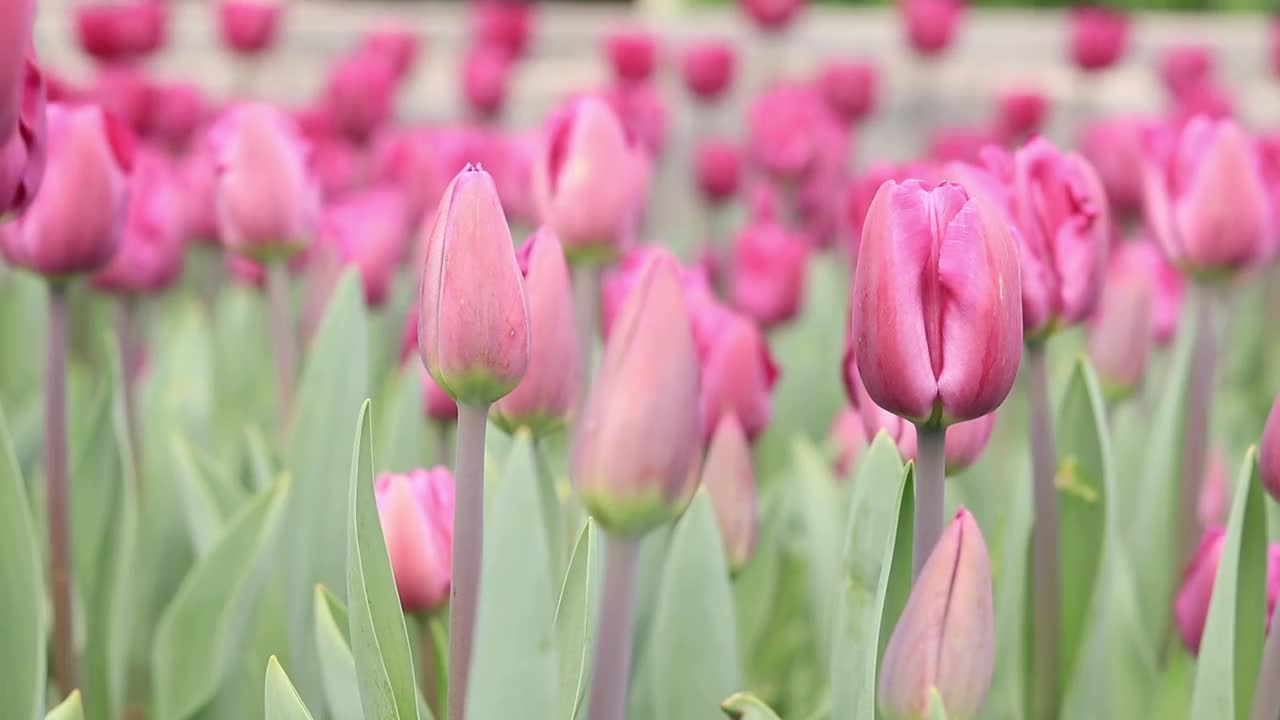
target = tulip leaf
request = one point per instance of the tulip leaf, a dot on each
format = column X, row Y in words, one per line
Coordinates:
column 70, row 709
column 335, row 381
column 514, row 665
column 756, row 586
column 937, row 711
column 869, row 543
column 895, row 571
column 379, row 640
column 820, row 527
column 337, row 666
column 22, row 624
column 1231, row 647
column 745, row 706
column 576, row 618
column 281, row 701
column 210, row 610
column 204, row 516
column 411, row 438
column 694, row 652
column 262, row 469
column 243, row 379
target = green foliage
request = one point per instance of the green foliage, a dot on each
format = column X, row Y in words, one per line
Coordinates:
column 22, row 655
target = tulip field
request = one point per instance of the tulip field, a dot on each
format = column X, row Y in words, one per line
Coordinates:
column 711, row 374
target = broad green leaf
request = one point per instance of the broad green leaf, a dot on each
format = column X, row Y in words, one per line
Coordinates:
column 337, row 666
column 70, row 709
column 204, row 516
column 335, row 381
column 895, row 571
column 22, row 654
column 937, row 711
column 1231, row 647
column 211, row 609
column 514, row 663
column 23, row 309
column 576, row 616
column 245, row 395
column 745, row 706
column 821, row 520
column 411, row 440
column 281, row 701
column 877, row 493
column 756, row 586
column 379, row 641
column 694, row 651
column 262, row 468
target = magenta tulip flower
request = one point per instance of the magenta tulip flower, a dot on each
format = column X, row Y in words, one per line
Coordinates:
column 731, row 483
column 22, row 154
column 1185, row 68
column 115, row 30
column 1269, row 452
column 416, row 513
column 788, row 126
column 16, row 20
column 1020, row 113
column 1099, row 36
column 769, row 267
column 718, row 166
column 1114, row 145
column 398, row 47
column 708, row 68
column 359, row 94
column 368, row 231
column 930, row 24
column 772, row 15
column 153, row 251
column 738, row 372
column 486, row 72
column 850, row 89
column 502, row 23
column 632, row 55
column 249, row 27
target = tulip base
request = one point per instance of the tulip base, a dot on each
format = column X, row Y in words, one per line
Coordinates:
column 613, row 640
column 1044, row 467
column 468, row 548
column 57, row 496
column 931, row 478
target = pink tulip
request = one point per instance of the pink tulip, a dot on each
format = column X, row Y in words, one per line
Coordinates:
column 718, row 166
column 113, row 30
column 1208, row 99
column 249, row 27
column 1020, row 113
column 409, row 158
column 850, row 90
column 959, row 144
column 1185, row 68
column 125, row 91
column 75, row 223
column 1122, row 329
column 769, row 268
column 359, row 94
column 586, row 178
column 22, row 155
column 930, row 24
column 1269, row 452
column 849, row 438
column 398, row 47
column 486, row 71
column 875, row 419
column 175, row 113
column 1191, row 608
column 416, row 513
column 267, row 200
column 198, row 178
column 474, row 327
column 624, row 277
column 643, row 392
column 731, row 484
column 153, row 252
column 708, row 68
column 1214, row 502
column 945, row 638
column 339, row 166
column 861, row 191
column 16, row 20
column 1114, row 146
column 788, row 126
column 368, row 231
column 503, row 23
column 548, row 393
column 772, row 15
column 643, row 113
column 1206, row 200
column 632, row 54
column 1099, row 36
column 935, row 304
column 738, row 372
column 966, row 441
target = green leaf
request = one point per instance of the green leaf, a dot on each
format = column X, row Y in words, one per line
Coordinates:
column 870, row 539
column 937, row 711
column 695, row 651
column 379, row 641
column 895, row 572
column 204, row 516
column 514, row 666
column 576, row 618
column 337, row 666
column 335, row 381
column 745, row 706
column 756, row 586
column 1231, row 648
column 22, row 623
column 70, row 709
column 821, row 509
column 199, row 633
column 281, row 700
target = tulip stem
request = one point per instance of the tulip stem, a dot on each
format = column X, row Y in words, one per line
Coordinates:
column 468, row 547
column 430, row 663
column 1266, row 698
column 586, row 303
column 1044, row 467
column 283, row 339
column 57, row 497
column 550, row 501
column 440, row 441
column 1195, row 443
column 931, row 461
column 129, row 337
column 613, row 640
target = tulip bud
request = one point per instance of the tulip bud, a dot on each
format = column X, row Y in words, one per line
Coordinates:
column 930, row 24
column 416, row 512
column 368, row 231
column 115, row 30
column 633, row 55
column 1191, row 608
column 718, row 166
column 945, row 637
column 1269, row 452
column 153, row 252
column 474, row 327
column 849, row 438
column 1099, row 36
column 1019, row 114
column 175, row 113
column 22, row 154
column 1185, row 68
column 248, row 27
column 587, row 179
column 787, row 127
column 503, row 24
column 935, row 307
column 1122, row 330
column 731, row 483
column 639, row 437
column 707, row 68
column 849, row 89
column 360, row 93
column 549, row 391
column 966, row 441
column 1114, row 146
column 738, row 373
column 772, row 15
column 399, row 48
column 1206, row 201
column 769, row 268
column 76, row 221
column 267, row 200
column 485, row 74
column 643, row 112
column 16, row 20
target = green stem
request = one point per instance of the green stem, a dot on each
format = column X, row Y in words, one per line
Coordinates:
column 1044, row 465
column 586, row 303
column 613, row 639
column 57, row 497
column 931, row 463
column 549, row 498
column 284, row 341
column 468, row 549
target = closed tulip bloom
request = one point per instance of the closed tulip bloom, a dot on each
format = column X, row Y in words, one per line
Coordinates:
column 507, row 24
column 22, row 155
column 1191, row 607
column 174, row 113
column 772, row 15
column 113, row 30
column 249, row 27
column 416, row 513
column 153, row 251
column 16, row 20
column 548, row 393
column 718, row 165
column 769, row 268
column 708, row 68
column 645, row 391
column 643, row 112
column 369, row 231
column 966, row 441
column 849, row 438
column 1269, row 452
column 738, row 372
column 1186, row 67
column 632, row 54
column 586, row 178
column 1121, row 334
column 731, row 483
column 850, row 89
column 1064, row 225
column 474, row 326
column 486, row 71
column 624, row 276
column 1206, row 201
column 936, row 304
column 1114, row 145
column 1020, row 113
column 76, row 221
column 124, row 90
column 1099, row 36
column 930, row 24
column 786, row 130
column 359, row 94
column 399, row 48
column 267, row 200
column 945, row 637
